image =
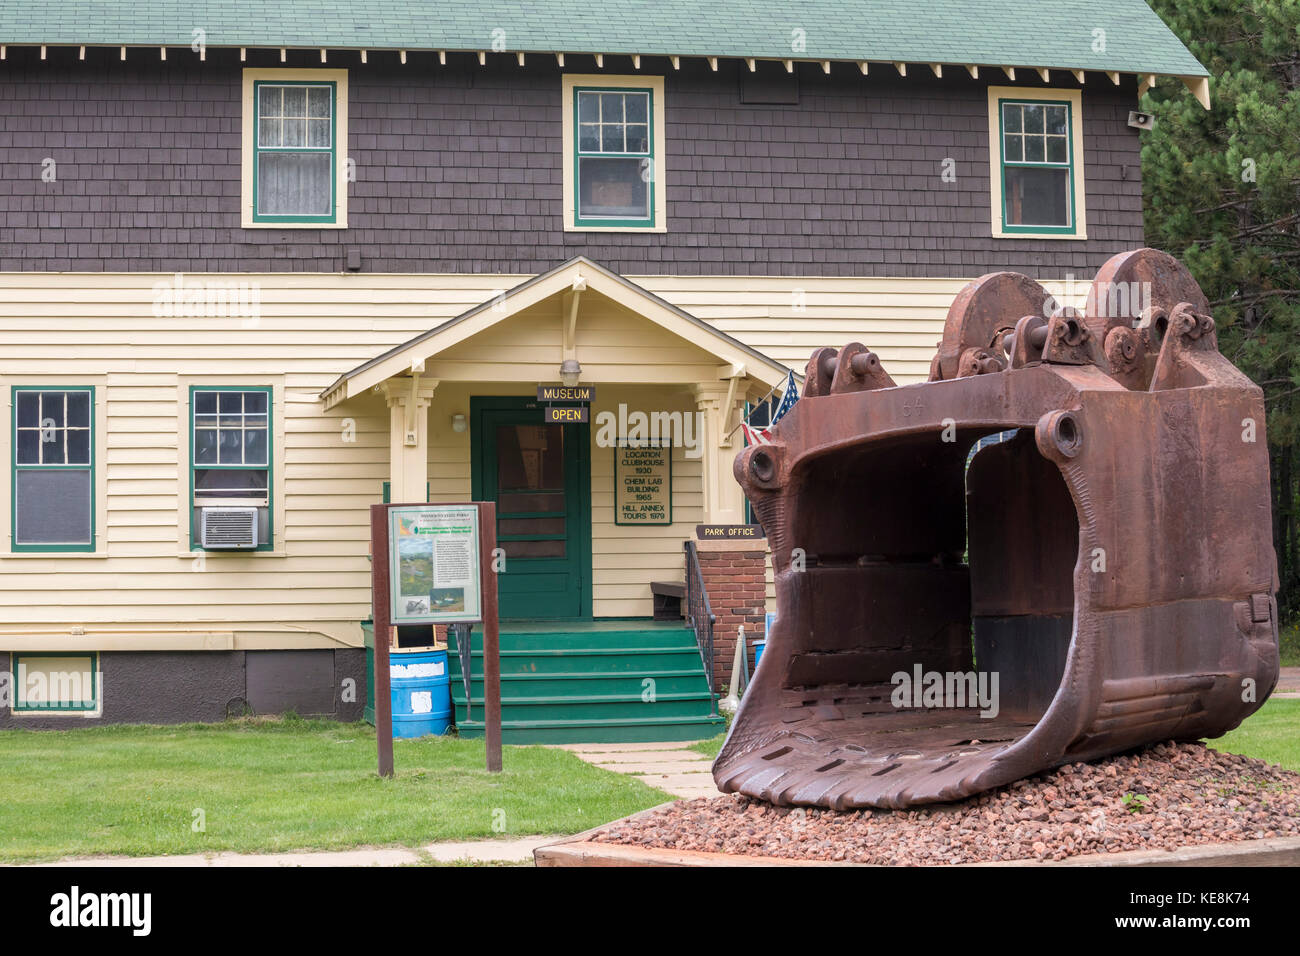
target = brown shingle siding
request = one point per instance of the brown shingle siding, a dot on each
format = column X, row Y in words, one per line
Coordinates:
column 458, row 170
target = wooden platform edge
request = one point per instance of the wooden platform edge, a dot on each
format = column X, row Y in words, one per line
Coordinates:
column 580, row 851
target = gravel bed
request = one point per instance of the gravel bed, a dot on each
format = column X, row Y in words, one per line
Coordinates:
column 1165, row 797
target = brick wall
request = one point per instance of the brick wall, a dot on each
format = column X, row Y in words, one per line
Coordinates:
column 459, row 170
column 733, row 578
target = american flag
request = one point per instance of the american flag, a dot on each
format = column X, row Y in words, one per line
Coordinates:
column 755, row 435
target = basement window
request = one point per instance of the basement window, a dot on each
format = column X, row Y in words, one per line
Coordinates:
column 295, row 137
column 54, row 683
column 1038, row 166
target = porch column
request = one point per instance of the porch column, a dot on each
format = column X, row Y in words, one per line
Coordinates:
column 723, row 501
column 408, row 437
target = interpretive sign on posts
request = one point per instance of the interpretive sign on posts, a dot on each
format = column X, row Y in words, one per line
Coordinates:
column 433, row 550
column 433, row 564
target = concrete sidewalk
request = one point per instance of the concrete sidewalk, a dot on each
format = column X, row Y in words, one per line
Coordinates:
column 474, row 851
column 669, row 766
column 1288, row 683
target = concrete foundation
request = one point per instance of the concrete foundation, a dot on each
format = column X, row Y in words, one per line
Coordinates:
column 166, row 687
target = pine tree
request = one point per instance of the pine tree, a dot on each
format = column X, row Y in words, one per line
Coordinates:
column 1222, row 192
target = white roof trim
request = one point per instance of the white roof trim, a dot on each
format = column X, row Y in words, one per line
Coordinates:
column 398, row 360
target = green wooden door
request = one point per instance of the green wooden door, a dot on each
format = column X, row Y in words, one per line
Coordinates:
column 539, row 475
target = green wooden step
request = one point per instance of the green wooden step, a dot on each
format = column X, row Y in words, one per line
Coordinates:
column 647, row 661
column 618, row 730
column 569, row 683
column 596, row 706
column 566, row 640
column 588, row 682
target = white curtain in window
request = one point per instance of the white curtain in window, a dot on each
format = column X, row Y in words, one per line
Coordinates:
column 294, row 184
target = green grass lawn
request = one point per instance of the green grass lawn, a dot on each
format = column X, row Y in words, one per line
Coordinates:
column 1272, row 734
column 1289, row 639
column 282, row 785
column 709, row 747
column 268, row 786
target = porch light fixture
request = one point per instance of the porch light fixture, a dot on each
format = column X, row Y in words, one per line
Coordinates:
column 570, row 372
column 458, row 423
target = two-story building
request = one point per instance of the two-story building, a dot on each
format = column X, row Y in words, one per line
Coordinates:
column 263, row 266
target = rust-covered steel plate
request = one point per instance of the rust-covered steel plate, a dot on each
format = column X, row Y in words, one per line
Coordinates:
column 955, row 614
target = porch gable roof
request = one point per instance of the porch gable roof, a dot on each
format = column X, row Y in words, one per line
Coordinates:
column 578, row 273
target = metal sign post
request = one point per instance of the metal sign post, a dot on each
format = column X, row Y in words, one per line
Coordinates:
column 422, row 571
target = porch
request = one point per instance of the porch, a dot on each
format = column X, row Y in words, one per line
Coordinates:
column 593, row 509
column 464, row 422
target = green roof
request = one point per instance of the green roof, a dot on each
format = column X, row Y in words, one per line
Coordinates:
column 1026, row 33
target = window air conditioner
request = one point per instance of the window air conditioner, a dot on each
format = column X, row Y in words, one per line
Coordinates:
column 227, row 528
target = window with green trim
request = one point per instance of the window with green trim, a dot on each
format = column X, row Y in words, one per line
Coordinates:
column 294, row 135
column 614, row 157
column 230, row 454
column 53, row 469
column 1037, row 166
column 50, row 683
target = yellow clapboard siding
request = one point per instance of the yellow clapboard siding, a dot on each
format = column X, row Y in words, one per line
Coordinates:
column 141, row 454
column 217, row 616
column 250, row 583
column 606, row 608
column 310, row 328
column 622, row 560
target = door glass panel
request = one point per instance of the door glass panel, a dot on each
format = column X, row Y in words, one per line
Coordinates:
column 530, row 479
column 516, row 502
column 533, row 526
column 532, row 549
column 530, row 457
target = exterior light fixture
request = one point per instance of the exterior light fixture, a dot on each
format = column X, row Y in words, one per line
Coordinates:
column 458, row 423
column 570, row 372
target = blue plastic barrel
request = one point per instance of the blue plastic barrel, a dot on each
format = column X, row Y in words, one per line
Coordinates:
column 421, row 693
column 758, row 652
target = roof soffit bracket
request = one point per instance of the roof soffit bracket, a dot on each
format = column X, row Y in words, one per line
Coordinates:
column 569, row 315
column 1200, row 88
column 414, row 395
column 733, row 373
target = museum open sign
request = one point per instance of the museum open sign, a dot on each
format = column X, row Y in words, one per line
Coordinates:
column 565, row 414
column 566, row 393
column 643, row 483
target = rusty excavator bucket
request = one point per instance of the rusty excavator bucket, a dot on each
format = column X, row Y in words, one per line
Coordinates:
column 1099, row 578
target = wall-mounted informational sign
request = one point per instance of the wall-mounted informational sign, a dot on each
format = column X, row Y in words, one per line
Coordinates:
column 643, row 483
column 707, row 532
column 434, row 564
